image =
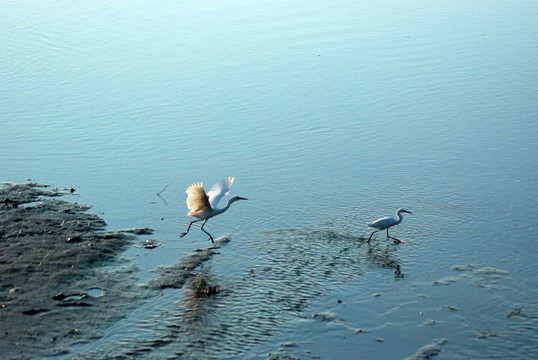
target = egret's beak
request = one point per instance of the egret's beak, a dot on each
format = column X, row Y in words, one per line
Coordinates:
column 409, row 212
column 241, row 198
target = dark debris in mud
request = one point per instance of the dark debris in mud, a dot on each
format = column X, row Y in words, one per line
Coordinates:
column 205, row 289
column 51, row 251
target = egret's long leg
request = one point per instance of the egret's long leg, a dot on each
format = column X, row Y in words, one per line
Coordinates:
column 202, row 228
column 186, row 232
column 373, row 234
column 396, row 241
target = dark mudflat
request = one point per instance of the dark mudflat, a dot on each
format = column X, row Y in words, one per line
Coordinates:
column 51, row 252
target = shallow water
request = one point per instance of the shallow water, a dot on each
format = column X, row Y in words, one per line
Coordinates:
column 329, row 115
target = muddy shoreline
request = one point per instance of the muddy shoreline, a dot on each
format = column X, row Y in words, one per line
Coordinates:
column 53, row 291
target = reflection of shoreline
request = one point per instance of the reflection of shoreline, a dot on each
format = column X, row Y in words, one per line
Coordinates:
column 52, row 293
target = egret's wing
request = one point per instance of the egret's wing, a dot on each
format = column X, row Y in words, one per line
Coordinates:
column 380, row 223
column 197, row 201
column 219, row 190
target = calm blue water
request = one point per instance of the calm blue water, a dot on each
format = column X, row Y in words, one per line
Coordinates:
column 329, row 115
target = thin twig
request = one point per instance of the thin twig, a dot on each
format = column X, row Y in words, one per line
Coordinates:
column 159, row 193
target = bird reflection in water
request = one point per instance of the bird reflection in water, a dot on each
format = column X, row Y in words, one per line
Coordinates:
column 383, row 258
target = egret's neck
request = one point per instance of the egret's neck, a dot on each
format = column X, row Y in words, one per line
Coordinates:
column 223, row 209
column 399, row 217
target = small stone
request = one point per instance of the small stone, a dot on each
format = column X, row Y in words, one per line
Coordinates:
column 60, row 296
column 149, row 244
column 73, row 239
column 288, row 344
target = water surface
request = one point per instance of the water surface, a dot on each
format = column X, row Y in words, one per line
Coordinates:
column 329, row 115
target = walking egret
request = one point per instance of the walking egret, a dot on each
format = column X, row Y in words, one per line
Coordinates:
column 386, row 223
column 202, row 205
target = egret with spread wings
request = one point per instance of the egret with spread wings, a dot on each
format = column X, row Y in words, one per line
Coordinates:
column 386, row 223
column 202, row 205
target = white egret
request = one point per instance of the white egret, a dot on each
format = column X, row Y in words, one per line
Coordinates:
column 386, row 223
column 202, row 206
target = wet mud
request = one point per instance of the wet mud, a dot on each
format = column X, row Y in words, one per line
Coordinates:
column 53, row 291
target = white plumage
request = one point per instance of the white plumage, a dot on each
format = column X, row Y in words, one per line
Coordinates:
column 202, row 205
column 386, row 223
